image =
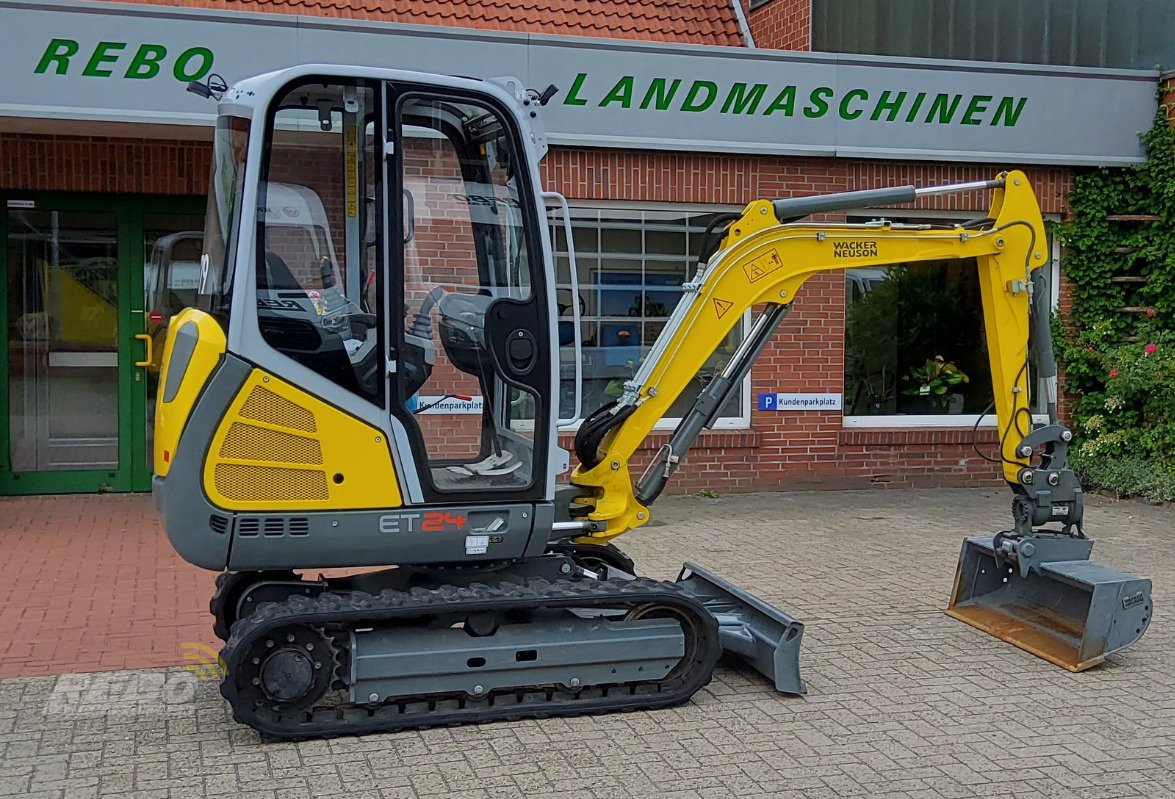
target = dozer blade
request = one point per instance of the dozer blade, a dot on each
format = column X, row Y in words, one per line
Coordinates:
column 764, row 636
column 1048, row 598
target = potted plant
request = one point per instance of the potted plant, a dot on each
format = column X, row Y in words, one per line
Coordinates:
column 931, row 385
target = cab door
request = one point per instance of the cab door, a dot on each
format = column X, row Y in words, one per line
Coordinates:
column 472, row 378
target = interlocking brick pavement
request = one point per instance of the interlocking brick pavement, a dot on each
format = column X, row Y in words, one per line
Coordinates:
column 903, row 701
column 91, row 583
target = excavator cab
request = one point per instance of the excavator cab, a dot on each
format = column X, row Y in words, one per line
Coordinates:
column 395, row 270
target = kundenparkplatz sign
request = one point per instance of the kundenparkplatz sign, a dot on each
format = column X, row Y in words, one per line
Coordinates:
column 130, row 63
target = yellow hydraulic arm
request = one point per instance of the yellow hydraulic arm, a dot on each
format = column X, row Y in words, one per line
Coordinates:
column 763, row 259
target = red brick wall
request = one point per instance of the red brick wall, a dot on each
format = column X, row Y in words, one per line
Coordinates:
column 121, row 166
column 781, row 24
column 734, row 179
column 1167, row 95
column 807, row 354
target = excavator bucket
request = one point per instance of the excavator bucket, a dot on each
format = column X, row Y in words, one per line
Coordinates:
column 764, row 636
column 1043, row 594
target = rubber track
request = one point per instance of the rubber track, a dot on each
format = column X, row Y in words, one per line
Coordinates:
column 355, row 610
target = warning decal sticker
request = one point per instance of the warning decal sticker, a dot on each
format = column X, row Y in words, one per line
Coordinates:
column 722, row 306
column 762, row 266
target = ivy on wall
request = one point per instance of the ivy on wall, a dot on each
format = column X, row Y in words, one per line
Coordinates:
column 1117, row 342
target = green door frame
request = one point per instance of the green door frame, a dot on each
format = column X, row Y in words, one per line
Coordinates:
column 132, row 473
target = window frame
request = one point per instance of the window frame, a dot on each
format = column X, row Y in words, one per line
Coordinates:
column 619, row 210
column 989, row 420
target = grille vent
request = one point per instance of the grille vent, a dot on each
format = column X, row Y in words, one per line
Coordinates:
column 273, row 526
column 275, row 457
column 246, row 442
column 218, row 524
column 265, row 406
column 246, row 483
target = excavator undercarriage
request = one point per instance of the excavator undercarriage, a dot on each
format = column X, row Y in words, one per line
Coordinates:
column 406, row 647
column 376, row 387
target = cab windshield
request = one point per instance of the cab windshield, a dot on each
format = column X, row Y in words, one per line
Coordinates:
column 230, row 144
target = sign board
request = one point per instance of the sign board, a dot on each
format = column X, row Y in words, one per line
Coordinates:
column 130, row 63
column 800, row 402
column 446, row 405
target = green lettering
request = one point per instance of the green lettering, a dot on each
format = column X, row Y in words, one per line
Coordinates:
column 818, row 102
column 785, row 101
column 658, row 96
column 740, row 101
column 145, row 64
column 945, row 112
column 620, row 93
column 853, row 94
column 573, row 97
column 57, row 53
column 180, row 70
column 910, row 117
column 977, row 105
column 888, row 107
column 100, row 56
column 691, row 102
column 1010, row 115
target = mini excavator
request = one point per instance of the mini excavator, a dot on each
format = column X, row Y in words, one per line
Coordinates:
column 370, row 385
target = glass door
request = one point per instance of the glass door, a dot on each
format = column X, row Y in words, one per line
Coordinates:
column 63, row 308
column 90, row 284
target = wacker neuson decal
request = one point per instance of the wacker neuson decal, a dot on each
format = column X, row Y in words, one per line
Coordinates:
column 674, row 94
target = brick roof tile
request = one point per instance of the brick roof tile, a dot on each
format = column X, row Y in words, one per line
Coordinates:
column 684, row 21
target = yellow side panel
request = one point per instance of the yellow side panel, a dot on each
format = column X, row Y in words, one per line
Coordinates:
column 281, row 449
column 170, row 417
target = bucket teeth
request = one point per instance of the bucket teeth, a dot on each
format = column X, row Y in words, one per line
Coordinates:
column 1044, row 595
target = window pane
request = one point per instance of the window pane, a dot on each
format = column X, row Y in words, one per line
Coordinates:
column 627, row 295
column 63, row 291
column 316, row 283
column 465, row 249
column 914, row 341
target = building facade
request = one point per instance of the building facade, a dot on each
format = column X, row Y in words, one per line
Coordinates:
column 104, row 164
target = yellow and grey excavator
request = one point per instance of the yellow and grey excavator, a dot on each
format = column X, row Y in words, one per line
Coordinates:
column 372, row 379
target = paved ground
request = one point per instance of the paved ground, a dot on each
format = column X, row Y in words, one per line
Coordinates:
column 902, row 702
column 91, row 583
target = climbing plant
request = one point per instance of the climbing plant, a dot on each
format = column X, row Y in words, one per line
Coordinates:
column 1117, row 341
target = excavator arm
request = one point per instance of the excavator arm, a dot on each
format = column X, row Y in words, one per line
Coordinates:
column 764, row 259
column 1031, row 585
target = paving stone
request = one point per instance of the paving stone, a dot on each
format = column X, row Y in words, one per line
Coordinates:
column 903, row 702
